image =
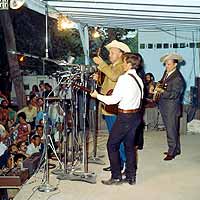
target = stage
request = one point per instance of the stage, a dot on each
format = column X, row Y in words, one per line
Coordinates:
column 156, row 179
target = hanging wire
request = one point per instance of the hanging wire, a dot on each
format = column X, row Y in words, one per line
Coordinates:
column 178, row 36
column 194, row 55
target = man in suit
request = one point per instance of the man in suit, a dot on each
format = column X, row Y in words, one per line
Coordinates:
column 170, row 102
column 112, row 73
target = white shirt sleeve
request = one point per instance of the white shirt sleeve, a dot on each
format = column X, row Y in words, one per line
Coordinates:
column 116, row 95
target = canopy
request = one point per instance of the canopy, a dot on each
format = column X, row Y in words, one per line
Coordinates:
column 129, row 14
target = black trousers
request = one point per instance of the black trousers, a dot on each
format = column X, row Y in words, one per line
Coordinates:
column 170, row 111
column 171, row 120
column 123, row 130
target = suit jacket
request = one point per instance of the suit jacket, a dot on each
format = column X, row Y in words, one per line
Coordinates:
column 112, row 73
column 171, row 99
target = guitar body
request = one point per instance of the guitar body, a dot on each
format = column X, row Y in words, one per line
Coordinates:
column 112, row 109
column 157, row 91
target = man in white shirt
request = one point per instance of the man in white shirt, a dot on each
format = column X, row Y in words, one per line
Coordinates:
column 34, row 146
column 112, row 73
column 128, row 92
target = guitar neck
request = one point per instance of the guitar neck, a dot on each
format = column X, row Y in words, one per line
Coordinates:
column 82, row 88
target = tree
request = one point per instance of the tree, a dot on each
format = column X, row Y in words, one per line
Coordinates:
column 15, row 73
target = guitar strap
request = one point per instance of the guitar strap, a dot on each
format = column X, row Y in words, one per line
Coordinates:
column 139, row 87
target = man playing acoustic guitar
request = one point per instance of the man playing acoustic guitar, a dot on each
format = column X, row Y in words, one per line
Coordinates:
column 112, row 73
column 170, row 102
column 128, row 92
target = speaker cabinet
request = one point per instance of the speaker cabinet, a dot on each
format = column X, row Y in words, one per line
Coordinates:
column 197, row 84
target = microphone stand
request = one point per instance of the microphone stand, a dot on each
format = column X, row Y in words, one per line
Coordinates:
column 46, row 187
column 67, row 174
column 93, row 118
column 59, row 170
column 64, row 174
column 84, row 175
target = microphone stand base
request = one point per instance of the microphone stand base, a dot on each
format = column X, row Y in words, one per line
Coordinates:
column 57, row 171
column 47, row 188
column 64, row 176
column 96, row 160
column 83, row 176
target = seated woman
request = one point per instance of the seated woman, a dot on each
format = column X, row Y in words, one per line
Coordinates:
column 23, row 128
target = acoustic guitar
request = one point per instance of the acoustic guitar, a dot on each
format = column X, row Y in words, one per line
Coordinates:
column 157, row 91
column 112, row 109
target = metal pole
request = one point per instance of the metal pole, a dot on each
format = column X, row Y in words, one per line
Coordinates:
column 46, row 187
column 46, row 39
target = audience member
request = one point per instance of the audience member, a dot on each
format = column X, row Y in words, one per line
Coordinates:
column 3, row 97
column 42, row 89
column 4, row 113
column 22, row 127
column 22, row 148
column 150, row 85
column 39, row 116
column 34, row 146
column 31, row 113
column 6, row 160
column 35, row 90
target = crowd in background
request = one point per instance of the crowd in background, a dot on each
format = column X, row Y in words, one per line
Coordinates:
column 21, row 130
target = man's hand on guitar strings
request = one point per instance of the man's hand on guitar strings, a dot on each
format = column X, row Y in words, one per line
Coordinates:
column 95, row 76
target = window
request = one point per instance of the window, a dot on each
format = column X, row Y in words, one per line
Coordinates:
column 175, row 45
column 150, row 46
column 165, row 45
column 198, row 44
column 159, row 46
column 182, row 45
column 191, row 44
column 142, row 46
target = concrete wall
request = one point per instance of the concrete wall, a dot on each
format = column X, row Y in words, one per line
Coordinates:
column 155, row 44
column 29, row 81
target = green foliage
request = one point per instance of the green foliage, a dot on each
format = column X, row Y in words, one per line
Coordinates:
column 29, row 28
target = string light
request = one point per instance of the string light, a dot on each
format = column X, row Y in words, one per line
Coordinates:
column 21, row 58
column 64, row 23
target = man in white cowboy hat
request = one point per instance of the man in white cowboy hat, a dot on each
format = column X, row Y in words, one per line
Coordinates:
column 128, row 119
column 112, row 73
column 170, row 102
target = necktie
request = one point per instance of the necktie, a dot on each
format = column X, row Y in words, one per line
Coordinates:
column 165, row 77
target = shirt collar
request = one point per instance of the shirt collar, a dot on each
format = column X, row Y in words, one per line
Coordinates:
column 131, row 71
column 117, row 62
column 171, row 72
